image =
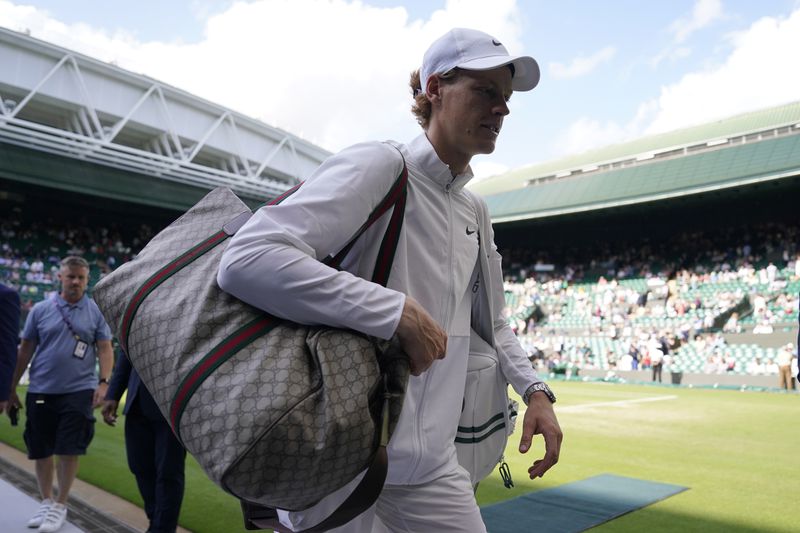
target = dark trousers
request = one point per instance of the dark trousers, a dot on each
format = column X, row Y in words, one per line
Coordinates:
column 157, row 460
column 657, row 372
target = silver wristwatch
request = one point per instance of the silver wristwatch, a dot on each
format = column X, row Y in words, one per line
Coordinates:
column 539, row 387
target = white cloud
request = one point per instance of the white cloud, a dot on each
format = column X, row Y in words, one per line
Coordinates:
column 333, row 71
column 484, row 169
column 672, row 54
column 758, row 73
column 703, row 14
column 588, row 133
column 582, row 65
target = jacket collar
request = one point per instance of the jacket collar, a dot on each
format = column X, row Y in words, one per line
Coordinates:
column 422, row 156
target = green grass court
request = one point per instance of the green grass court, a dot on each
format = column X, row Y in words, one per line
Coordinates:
column 736, row 451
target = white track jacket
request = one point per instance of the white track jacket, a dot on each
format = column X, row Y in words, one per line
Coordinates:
column 273, row 263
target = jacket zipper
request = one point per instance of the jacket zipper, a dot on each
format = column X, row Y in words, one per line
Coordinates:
column 421, row 411
column 449, row 304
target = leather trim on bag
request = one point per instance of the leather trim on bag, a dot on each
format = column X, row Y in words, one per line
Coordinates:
column 388, row 248
column 394, row 198
column 236, row 223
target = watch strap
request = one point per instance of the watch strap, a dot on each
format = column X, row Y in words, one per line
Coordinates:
column 539, row 386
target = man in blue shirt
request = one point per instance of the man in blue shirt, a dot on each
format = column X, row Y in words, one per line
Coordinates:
column 65, row 335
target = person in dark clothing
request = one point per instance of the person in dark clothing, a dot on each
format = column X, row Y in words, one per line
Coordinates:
column 9, row 338
column 155, row 456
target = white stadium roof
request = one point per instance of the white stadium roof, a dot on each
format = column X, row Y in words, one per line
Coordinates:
column 60, row 102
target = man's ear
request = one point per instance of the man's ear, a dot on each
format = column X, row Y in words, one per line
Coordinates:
column 433, row 89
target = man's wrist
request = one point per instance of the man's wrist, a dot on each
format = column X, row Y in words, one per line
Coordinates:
column 102, row 381
column 539, row 386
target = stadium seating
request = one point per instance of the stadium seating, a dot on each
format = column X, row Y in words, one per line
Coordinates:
column 30, row 252
column 570, row 322
column 597, row 312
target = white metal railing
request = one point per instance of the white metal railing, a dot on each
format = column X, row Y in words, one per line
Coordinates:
column 103, row 103
column 65, row 143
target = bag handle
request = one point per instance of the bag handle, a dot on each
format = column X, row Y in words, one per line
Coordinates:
column 395, row 200
column 367, row 491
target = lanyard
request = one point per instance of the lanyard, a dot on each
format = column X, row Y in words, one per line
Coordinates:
column 66, row 319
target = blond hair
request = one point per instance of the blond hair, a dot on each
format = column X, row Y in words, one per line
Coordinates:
column 74, row 261
column 421, row 108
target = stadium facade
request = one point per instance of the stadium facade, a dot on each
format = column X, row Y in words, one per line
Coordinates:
column 732, row 153
column 72, row 123
column 738, row 170
column 75, row 124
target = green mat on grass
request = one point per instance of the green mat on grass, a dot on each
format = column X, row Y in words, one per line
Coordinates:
column 575, row 506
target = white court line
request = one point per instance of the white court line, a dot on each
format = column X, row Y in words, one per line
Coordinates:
column 587, row 406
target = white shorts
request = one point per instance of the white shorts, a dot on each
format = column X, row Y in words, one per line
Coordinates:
column 444, row 505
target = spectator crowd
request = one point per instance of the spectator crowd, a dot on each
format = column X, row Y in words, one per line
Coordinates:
column 641, row 308
column 623, row 306
column 31, row 251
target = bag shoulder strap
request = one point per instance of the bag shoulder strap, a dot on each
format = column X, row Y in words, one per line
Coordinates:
column 394, row 200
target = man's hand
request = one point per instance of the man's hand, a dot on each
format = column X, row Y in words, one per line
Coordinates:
column 540, row 419
column 99, row 395
column 11, row 407
column 420, row 336
column 13, row 401
column 109, row 412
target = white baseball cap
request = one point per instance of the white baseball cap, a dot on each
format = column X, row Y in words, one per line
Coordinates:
column 475, row 50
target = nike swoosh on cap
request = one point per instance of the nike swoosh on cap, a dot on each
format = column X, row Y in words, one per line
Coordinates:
column 496, row 42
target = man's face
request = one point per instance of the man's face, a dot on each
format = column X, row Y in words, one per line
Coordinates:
column 472, row 110
column 74, row 280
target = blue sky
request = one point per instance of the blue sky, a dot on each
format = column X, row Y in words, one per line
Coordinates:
column 335, row 71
